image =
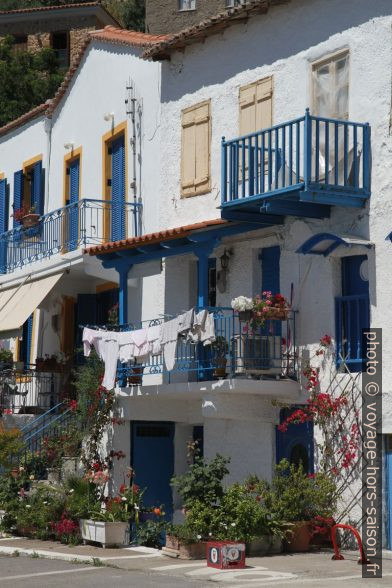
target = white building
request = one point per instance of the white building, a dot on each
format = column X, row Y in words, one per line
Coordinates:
column 241, row 210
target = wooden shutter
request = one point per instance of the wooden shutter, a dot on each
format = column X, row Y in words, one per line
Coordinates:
column 18, row 193
column 270, row 269
column 74, row 174
column 118, row 188
column 37, row 188
column 256, row 106
column 195, row 150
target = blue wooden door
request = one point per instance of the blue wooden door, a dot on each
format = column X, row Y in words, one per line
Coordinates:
column 388, row 456
column 296, row 444
column 118, row 189
column 4, row 212
column 153, row 462
column 73, row 199
column 355, row 313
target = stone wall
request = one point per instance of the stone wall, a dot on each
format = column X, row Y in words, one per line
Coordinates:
column 164, row 16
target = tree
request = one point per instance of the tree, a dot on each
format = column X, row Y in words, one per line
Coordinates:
column 26, row 79
column 130, row 13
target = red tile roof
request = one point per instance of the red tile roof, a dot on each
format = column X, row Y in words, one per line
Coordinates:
column 51, row 8
column 109, row 34
column 125, row 37
column 210, row 26
column 24, row 118
column 151, row 238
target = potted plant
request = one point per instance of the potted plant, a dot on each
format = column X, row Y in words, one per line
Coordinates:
column 244, row 307
column 52, row 453
column 297, row 498
column 71, row 443
column 27, row 216
column 6, row 359
column 135, row 377
column 219, row 348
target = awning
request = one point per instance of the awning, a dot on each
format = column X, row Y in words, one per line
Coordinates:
column 326, row 243
column 17, row 304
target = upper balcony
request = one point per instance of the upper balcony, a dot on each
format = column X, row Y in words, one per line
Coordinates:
column 299, row 168
column 86, row 222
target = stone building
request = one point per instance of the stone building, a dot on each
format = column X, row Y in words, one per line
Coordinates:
column 61, row 27
column 171, row 16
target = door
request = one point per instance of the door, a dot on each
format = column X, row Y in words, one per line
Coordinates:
column 296, row 444
column 354, row 307
column 153, row 462
column 388, row 455
column 118, row 188
column 73, row 171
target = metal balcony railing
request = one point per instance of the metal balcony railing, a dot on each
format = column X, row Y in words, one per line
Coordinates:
column 310, row 153
column 29, row 391
column 86, row 222
column 269, row 351
column 352, row 315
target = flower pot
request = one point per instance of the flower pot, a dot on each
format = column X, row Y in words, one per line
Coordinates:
column 277, row 313
column 174, row 548
column 30, row 220
column 54, row 475
column 136, row 377
column 106, row 533
column 299, row 537
column 245, row 315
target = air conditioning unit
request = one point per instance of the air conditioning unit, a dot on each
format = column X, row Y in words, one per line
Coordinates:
column 257, row 354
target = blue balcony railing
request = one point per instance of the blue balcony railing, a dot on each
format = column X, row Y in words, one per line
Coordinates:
column 86, row 222
column 352, row 315
column 320, row 159
column 239, row 352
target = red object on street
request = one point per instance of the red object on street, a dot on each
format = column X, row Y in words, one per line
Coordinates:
column 337, row 555
column 225, row 555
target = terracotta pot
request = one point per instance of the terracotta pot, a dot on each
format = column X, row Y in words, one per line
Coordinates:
column 299, row 537
column 136, row 377
column 277, row 313
column 174, row 548
column 30, row 220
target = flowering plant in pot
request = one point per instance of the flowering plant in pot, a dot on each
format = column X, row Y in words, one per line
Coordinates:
column 220, row 348
column 244, row 307
column 27, row 216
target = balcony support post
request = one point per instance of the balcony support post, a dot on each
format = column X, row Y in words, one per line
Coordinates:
column 308, row 149
column 123, row 270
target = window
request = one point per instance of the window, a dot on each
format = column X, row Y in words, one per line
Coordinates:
column 187, row 4
column 29, row 187
column 330, row 86
column 195, row 153
column 232, row 3
column 256, row 106
column 60, row 45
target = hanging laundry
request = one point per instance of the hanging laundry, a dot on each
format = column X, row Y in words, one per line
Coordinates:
column 169, row 335
column 207, row 333
column 186, row 322
column 154, row 339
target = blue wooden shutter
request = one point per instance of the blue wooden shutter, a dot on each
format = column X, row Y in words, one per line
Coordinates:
column 25, row 350
column 4, row 212
column 118, row 189
column 37, row 199
column 74, row 173
column 18, row 192
column 270, row 269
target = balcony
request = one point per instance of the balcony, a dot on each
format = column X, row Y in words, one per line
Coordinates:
column 269, row 352
column 30, row 391
column 352, row 316
column 86, row 222
column 299, row 168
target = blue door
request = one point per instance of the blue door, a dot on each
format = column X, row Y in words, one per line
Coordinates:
column 388, row 456
column 73, row 199
column 354, row 313
column 296, row 444
column 153, row 462
column 3, row 225
column 118, row 189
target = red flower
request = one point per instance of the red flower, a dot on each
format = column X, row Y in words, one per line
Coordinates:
column 73, row 405
column 122, row 488
column 135, row 488
column 326, row 341
column 157, row 511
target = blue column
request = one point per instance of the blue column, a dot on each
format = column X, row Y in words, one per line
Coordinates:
column 202, row 277
column 123, row 294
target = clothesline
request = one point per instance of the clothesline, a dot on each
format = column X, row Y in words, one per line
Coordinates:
column 137, row 345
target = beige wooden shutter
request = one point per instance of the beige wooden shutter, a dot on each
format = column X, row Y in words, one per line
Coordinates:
column 247, row 109
column 202, row 134
column 263, row 118
column 195, row 153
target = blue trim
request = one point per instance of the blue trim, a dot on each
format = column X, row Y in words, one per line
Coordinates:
column 307, row 247
column 74, row 175
column 18, row 193
column 118, row 188
column 388, row 456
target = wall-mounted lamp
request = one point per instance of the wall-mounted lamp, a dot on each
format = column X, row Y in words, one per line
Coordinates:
column 69, row 145
column 109, row 116
column 221, row 277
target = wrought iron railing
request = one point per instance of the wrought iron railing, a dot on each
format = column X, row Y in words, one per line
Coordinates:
column 86, row 222
column 268, row 351
column 29, row 392
column 309, row 153
column 352, row 315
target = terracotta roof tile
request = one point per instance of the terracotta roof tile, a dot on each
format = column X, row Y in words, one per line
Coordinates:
column 125, row 37
column 49, row 8
column 24, row 118
column 151, row 238
column 210, row 26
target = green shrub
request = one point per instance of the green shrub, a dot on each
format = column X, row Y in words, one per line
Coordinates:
column 150, row 533
column 11, row 442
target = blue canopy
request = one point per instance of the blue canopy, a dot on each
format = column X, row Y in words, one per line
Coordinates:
column 326, row 243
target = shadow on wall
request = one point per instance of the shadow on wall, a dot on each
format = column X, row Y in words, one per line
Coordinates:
column 265, row 43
